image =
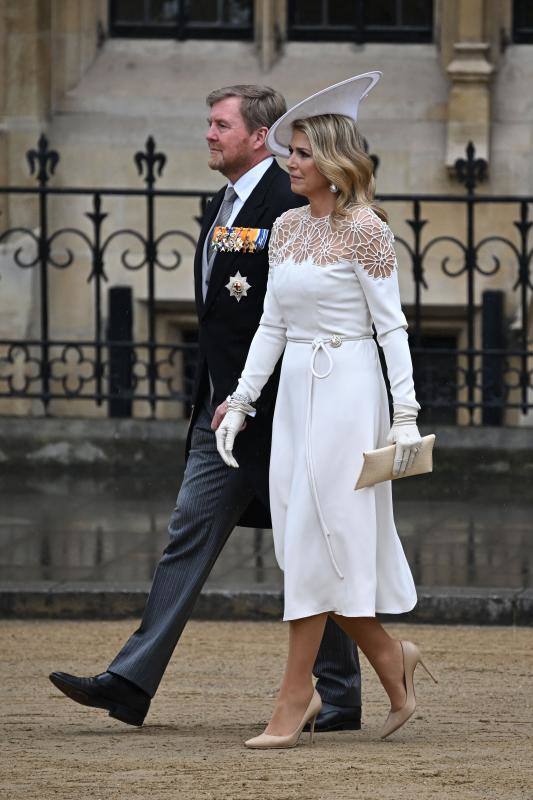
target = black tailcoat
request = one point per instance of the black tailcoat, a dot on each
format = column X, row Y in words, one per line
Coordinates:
column 227, row 327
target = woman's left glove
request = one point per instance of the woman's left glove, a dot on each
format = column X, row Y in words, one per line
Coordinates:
column 239, row 408
column 406, row 436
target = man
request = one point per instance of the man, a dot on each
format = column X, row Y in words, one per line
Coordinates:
column 229, row 288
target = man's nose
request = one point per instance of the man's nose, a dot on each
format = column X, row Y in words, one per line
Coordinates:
column 211, row 134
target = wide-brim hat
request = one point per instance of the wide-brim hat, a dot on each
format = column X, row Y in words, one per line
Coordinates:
column 341, row 98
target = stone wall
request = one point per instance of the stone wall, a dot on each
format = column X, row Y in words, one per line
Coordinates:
column 467, row 461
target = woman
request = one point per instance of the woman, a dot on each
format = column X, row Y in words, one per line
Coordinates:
column 332, row 274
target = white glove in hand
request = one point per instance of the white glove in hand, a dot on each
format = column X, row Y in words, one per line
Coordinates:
column 239, row 407
column 406, row 436
column 226, row 433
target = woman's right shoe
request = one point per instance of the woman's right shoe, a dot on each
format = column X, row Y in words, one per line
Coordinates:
column 395, row 720
column 266, row 741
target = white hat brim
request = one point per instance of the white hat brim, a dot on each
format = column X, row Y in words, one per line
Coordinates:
column 341, row 98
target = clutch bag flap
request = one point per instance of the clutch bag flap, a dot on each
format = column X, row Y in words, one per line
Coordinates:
column 377, row 465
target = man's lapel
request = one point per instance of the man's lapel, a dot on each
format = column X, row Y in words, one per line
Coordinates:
column 248, row 217
column 209, row 217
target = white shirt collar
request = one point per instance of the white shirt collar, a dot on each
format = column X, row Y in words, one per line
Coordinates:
column 247, row 182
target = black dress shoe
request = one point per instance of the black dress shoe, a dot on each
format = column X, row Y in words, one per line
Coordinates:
column 124, row 701
column 337, row 718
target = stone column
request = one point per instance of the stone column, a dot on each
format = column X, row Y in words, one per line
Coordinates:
column 25, row 81
column 270, row 30
column 45, row 47
column 75, row 25
column 465, row 26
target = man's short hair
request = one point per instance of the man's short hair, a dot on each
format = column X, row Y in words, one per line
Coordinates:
column 261, row 106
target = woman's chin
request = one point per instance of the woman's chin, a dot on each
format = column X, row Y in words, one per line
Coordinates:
column 297, row 189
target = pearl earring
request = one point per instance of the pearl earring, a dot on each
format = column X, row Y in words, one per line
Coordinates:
column 333, row 189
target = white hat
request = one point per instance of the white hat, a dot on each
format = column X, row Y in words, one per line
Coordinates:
column 341, row 98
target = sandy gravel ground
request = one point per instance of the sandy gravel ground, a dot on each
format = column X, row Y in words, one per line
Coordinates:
column 471, row 736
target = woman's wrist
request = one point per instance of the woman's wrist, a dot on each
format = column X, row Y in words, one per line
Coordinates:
column 404, row 414
column 238, row 401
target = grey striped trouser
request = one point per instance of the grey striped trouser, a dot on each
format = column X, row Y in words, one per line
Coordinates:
column 210, row 502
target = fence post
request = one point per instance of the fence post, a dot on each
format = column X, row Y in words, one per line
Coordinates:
column 44, row 162
column 120, row 329
column 492, row 338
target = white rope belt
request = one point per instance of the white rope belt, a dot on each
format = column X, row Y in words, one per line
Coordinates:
column 320, row 344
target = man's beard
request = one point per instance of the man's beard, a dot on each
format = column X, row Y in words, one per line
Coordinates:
column 218, row 162
column 215, row 160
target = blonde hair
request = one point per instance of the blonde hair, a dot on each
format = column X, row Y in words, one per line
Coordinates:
column 339, row 154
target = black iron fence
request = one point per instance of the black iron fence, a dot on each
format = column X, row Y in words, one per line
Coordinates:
column 471, row 352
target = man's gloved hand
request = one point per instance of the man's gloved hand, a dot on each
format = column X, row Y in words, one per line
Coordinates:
column 406, row 436
column 225, row 434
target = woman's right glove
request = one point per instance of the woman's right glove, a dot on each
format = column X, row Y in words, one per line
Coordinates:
column 239, row 408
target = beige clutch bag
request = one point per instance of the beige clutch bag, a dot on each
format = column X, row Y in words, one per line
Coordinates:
column 377, row 464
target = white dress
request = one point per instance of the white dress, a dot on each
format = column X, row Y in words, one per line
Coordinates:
column 339, row 548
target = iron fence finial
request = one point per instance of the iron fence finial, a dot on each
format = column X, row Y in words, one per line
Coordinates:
column 44, row 159
column 471, row 170
column 150, row 159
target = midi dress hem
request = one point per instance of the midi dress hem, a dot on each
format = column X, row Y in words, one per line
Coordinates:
column 303, row 615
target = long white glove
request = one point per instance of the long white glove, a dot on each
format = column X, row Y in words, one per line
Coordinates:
column 404, row 432
column 405, row 435
column 226, row 433
column 233, row 422
column 383, row 298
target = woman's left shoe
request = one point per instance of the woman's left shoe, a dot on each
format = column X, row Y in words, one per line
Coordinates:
column 395, row 720
column 268, row 742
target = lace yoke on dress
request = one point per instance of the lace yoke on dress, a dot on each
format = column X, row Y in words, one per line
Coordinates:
column 360, row 238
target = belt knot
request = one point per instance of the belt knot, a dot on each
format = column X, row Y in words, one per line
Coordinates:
column 317, row 345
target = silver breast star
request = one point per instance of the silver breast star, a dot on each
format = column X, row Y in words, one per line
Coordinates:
column 238, row 286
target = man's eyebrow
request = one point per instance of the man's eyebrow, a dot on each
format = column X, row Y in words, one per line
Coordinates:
column 218, row 120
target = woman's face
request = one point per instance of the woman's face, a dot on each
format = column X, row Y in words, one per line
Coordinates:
column 305, row 177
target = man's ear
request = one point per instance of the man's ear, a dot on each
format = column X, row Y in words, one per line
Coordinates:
column 259, row 138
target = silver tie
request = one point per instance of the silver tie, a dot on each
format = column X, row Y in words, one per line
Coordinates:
column 222, row 217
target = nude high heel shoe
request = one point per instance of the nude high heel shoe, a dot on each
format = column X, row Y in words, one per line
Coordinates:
column 266, row 741
column 395, row 720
